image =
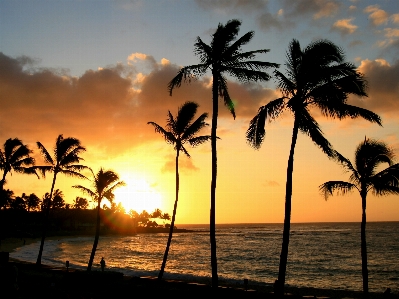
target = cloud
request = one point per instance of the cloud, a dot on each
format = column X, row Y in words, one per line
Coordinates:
column 377, row 16
column 108, row 108
column 345, row 26
column 395, row 18
column 269, row 183
column 383, row 81
column 317, row 8
column 185, row 165
column 232, row 6
column 268, row 21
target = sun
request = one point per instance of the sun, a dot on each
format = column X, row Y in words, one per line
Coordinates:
column 138, row 195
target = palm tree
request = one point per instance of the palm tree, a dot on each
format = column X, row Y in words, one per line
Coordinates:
column 366, row 176
column 66, row 154
column 15, row 156
column 104, row 184
column 32, row 202
column 178, row 132
column 317, row 76
column 223, row 56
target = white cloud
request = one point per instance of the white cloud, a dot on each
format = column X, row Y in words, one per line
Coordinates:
column 376, row 15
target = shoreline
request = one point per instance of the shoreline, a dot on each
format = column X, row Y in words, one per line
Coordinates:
column 54, row 280
column 11, row 244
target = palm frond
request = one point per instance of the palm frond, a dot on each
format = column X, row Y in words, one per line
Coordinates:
column 185, row 74
column 309, row 126
column 46, row 156
column 287, row 86
column 85, row 190
column 202, row 50
column 183, row 149
column 247, row 74
column 346, row 163
column 195, row 127
column 234, row 49
column 224, row 93
column 44, row 169
column 199, row 140
column 341, row 187
column 72, row 173
column 249, row 55
column 185, row 115
column 256, row 131
column 169, row 137
column 386, row 181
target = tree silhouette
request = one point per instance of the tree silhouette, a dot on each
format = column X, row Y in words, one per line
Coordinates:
column 58, row 201
column 15, row 156
column 178, row 132
column 366, row 176
column 66, row 155
column 32, row 202
column 317, row 76
column 223, row 56
column 104, row 184
column 80, row 203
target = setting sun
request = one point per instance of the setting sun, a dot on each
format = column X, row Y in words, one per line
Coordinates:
column 138, row 195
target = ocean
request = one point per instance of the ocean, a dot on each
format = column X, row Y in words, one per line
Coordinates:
column 321, row 255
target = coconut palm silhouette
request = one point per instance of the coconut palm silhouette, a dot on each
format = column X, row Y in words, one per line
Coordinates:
column 367, row 176
column 180, row 130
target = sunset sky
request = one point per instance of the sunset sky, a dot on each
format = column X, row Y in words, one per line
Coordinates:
column 98, row 71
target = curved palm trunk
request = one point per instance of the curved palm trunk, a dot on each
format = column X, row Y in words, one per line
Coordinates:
column 172, row 224
column 3, row 180
column 96, row 237
column 45, row 222
column 212, row 224
column 279, row 285
column 364, row 247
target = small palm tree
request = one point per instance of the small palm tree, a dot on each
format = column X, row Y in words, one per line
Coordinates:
column 178, row 132
column 32, row 202
column 66, row 155
column 318, row 77
column 104, row 184
column 16, row 156
column 365, row 177
column 223, row 56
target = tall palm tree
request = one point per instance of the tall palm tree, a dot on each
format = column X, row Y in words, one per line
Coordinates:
column 104, row 184
column 223, row 56
column 318, row 77
column 178, row 132
column 16, row 156
column 66, row 155
column 366, row 176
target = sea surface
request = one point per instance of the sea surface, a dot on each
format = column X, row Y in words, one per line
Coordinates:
column 321, row 255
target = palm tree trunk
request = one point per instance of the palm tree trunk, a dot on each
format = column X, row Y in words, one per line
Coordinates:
column 3, row 179
column 45, row 222
column 364, row 247
column 96, row 237
column 279, row 285
column 172, row 224
column 212, row 222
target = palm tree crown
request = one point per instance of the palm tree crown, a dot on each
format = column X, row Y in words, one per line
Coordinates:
column 366, row 176
column 317, row 76
column 16, row 156
column 223, row 56
column 104, row 184
column 183, row 129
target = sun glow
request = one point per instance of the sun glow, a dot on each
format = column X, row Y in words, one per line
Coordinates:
column 138, row 195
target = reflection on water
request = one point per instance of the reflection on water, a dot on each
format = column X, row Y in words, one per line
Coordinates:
column 321, row 255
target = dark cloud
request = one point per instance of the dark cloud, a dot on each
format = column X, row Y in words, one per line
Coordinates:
column 383, row 81
column 317, row 8
column 106, row 108
column 232, row 6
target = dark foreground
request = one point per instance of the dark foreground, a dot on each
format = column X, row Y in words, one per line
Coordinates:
column 26, row 280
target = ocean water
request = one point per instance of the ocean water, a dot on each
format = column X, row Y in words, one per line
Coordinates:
column 321, row 255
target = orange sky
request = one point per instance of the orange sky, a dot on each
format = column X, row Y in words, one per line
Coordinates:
column 108, row 110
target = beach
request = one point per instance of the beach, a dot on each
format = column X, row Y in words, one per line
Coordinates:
column 59, row 282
